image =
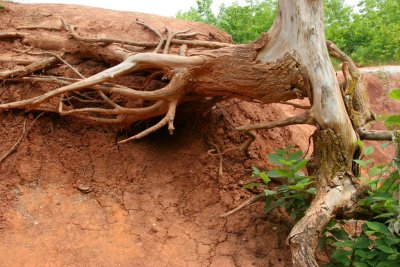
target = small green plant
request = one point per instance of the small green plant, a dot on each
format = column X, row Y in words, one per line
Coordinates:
column 376, row 245
column 295, row 193
column 393, row 121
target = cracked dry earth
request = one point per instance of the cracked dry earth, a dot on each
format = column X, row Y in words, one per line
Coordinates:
column 72, row 197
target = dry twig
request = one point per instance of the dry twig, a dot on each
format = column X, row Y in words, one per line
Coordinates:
column 24, row 133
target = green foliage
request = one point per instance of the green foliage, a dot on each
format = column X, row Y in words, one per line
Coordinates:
column 246, row 23
column 201, row 13
column 378, row 244
column 243, row 23
column 296, row 193
column 393, row 121
column 337, row 17
column 375, row 246
column 369, row 35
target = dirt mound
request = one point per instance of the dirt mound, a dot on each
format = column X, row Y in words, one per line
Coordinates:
column 70, row 196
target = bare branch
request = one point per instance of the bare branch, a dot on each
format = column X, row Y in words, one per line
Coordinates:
column 377, row 135
column 25, row 131
column 38, row 65
column 295, row 105
column 12, row 35
column 303, row 118
column 335, row 52
column 109, row 40
column 50, row 28
column 247, row 203
column 18, row 61
column 170, row 35
column 167, row 120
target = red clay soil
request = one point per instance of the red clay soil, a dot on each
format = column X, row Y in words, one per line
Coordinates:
column 379, row 85
column 70, row 196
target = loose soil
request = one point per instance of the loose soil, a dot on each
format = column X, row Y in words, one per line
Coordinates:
column 70, row 196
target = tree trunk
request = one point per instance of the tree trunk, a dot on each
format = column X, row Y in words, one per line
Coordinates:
column 290, row 61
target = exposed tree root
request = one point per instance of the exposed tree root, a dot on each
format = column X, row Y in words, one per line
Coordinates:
column 31, row 68
column 295, row 105
column 304, row 118
column 377, row 135
column 24, row 133
column 245, row 204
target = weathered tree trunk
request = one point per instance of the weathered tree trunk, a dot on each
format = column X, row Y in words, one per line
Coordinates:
column 300, row 28
column 290, row 61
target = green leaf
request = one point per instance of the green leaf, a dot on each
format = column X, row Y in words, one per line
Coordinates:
column 342, row 256
column 280, row 173
column 380, row 196
column 362, row 243
column 270, row 192
column 376, row 170
column 394, row 257
column 389, row 184
column 378, row 227
column 251, row 186
column 368, row 150
column 360, row 264
column 344, row 244
column 385, row 215
column 301, row 184
column 265, row 177
column 383, row 146
column 281, row 152
column 360, row 143
column 385, row 248
column 300, row 165
column 360, row 162
column 256, row 171
column 385, row 264
column 295, row 155
column 339, row 234
column 312, row 190
column 365, row 254
column 395, row 94
column 393, row 120
column 276, row 159
column 390, row 241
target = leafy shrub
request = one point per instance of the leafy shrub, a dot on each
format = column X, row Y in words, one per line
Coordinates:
column 296, row 193
column 378, row 244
